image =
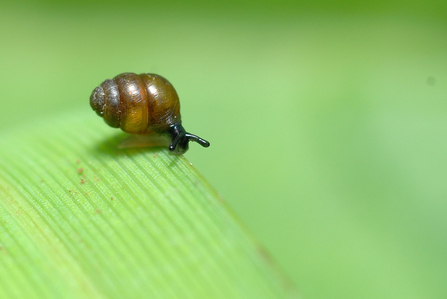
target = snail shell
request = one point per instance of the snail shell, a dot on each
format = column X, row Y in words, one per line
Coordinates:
column 143, row 104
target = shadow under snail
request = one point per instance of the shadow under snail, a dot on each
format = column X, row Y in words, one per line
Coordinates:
column 144, row 104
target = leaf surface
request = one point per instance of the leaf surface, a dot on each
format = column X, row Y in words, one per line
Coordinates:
column 81, row 218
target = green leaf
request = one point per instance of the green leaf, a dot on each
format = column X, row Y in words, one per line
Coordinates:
column 80, row 218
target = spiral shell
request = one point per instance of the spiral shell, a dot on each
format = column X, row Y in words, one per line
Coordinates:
column 138, row 104
column 143, row 104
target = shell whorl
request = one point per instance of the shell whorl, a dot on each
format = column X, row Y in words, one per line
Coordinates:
column 97, row 100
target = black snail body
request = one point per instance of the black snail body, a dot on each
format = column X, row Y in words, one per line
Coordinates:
column 143, row 104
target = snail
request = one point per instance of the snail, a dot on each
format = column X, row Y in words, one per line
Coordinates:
column 144, row 104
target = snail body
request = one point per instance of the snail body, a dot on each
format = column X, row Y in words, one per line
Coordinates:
column 144, row 104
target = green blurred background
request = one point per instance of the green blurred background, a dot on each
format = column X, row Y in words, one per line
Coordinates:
column 327, row 119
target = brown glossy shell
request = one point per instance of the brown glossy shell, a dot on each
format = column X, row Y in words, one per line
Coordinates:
column 138, row 104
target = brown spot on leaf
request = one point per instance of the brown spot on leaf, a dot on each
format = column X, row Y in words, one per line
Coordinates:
column 80, row 170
